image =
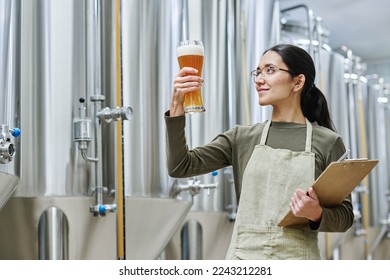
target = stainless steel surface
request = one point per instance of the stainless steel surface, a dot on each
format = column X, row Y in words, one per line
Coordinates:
column 89, row 238
column 54, row 41
column 378, row 138
column 59, row 68
column 53, row 235
column 192, row 241
column 55, row 75
column 148, row 70
column 216, row 233
column 10, row 67
column 151, row 223
column 8, row 184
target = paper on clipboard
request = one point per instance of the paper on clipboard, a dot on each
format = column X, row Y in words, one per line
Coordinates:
column 335, row 184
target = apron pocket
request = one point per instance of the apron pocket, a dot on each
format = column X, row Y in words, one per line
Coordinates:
column 270, row 242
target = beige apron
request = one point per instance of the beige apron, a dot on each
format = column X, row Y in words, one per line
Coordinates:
column 269, row 181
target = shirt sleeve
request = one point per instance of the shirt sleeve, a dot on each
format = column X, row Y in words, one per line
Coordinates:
column 183, row 162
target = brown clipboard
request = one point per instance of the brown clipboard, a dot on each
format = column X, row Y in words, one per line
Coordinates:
column 337, row 181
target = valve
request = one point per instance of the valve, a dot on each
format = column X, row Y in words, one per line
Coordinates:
column 15, row 132
column 82, row 134
column 7, row 149
column 193, row 186
column 102, row 209
column 123, row 113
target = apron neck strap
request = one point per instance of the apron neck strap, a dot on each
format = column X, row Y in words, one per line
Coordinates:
column 265, row 133
column 309, row 131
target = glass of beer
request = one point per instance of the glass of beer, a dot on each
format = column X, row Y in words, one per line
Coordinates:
column 190, row 53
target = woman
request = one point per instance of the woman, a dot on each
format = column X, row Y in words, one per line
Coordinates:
column 274, row 163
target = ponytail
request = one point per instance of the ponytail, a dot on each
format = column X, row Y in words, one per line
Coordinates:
column 315, row 107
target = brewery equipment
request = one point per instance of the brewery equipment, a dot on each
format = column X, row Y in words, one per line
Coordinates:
column 7, row 149
column 9, row 100
column 74, row 154
column 92, row 186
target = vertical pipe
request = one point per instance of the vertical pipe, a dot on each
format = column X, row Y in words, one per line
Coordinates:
column 351, row 103
column 191, row 237
column 365, row 180
column 230, row 61
column 53, row 234
column 97, row 98
column 6, row 42
column 244, row 72
column 186, row 22
column 97, row 46
column 309, row 18
column 119, row 191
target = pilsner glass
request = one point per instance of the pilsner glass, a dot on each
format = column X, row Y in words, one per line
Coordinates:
column 190, row 53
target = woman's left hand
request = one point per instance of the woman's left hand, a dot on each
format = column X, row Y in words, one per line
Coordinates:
column 306, row 205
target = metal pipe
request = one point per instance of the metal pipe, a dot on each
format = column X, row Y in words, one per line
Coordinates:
column 351, row 103
column 192, row 241
column 193, row 186
column 97, row 99
column 365, row 180
column 185, row 22
column 244, row 72
column 230, row 61
column 309, row 14
column 96, row 46
column 87, row 158
column 53, row 234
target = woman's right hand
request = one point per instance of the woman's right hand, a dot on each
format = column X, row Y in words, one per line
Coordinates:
column 186, row 81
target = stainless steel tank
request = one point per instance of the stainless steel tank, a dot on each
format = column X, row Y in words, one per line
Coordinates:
column 376, row 105
column 69, row 52
column 9, row 98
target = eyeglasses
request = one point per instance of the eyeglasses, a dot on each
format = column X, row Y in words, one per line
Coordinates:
column 269, row 71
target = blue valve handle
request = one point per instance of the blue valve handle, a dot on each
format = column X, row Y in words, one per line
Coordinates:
column 102, row 209
column 214, row 173
column 15, row 132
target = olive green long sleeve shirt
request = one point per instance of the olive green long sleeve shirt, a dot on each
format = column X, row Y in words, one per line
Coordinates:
column 235, row 146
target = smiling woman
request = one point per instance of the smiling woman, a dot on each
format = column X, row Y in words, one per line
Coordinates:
column 278, row 163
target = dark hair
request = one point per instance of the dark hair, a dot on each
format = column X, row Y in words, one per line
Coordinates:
column 313, row 101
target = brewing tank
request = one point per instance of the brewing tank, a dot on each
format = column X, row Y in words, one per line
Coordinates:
column 70, row 177
column 9, row 98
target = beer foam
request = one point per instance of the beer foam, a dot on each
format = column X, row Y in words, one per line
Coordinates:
column 189, row 49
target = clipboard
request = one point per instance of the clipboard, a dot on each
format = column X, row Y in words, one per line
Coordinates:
column 337, row 181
